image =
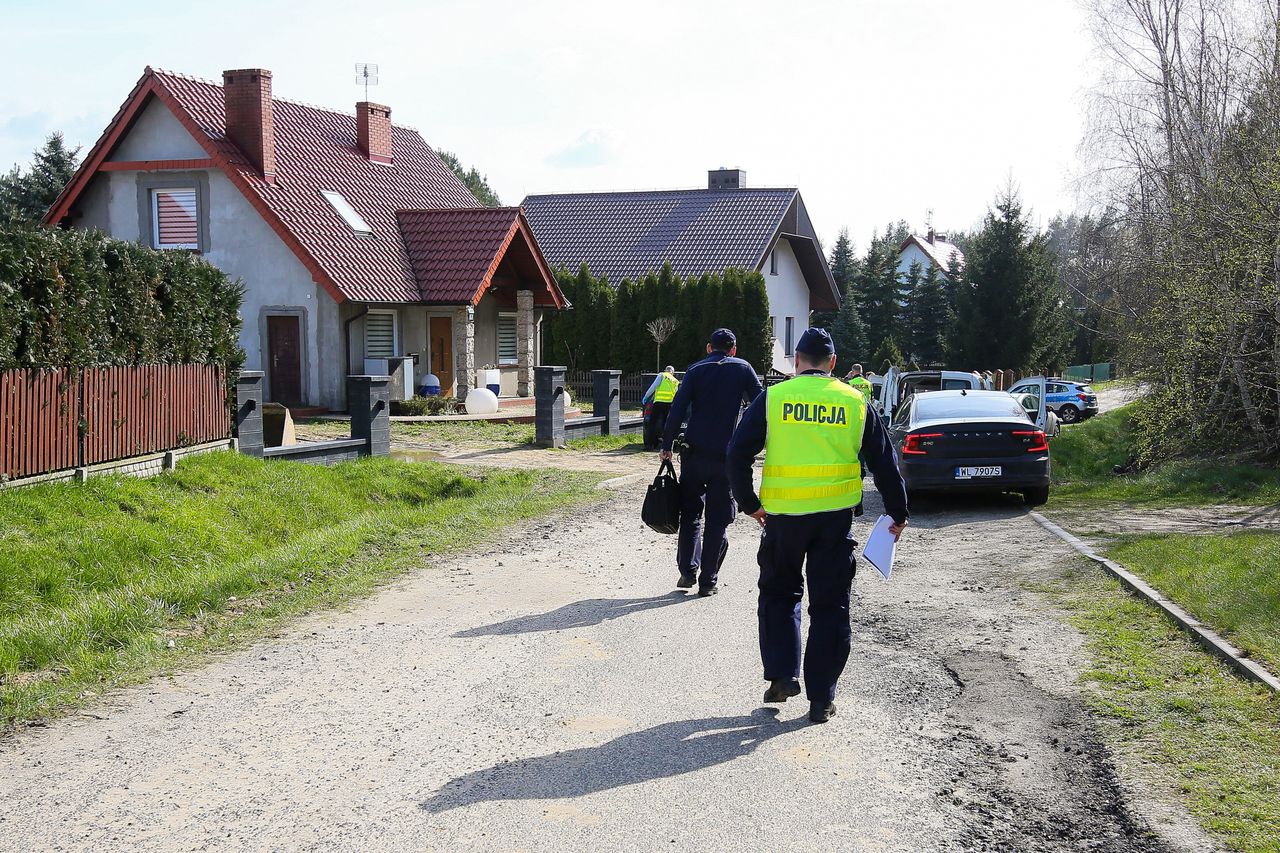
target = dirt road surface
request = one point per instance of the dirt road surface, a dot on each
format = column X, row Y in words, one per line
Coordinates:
column 552, row 692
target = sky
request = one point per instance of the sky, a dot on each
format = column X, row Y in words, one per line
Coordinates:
column 877, row 110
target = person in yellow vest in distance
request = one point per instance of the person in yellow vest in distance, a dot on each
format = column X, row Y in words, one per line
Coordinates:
column 859, row 382
column 658, row 401
column 811, row 428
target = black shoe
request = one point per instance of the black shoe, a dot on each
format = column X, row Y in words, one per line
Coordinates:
column 686, row 581
column 782, row 689
column 820, row 713
column 708, row 591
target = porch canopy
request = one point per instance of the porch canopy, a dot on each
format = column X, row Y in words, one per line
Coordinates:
column 459, row 255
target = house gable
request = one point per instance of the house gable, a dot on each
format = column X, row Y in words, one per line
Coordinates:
column 156, row 134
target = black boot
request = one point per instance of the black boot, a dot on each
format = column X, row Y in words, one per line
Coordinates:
column 820, row 712
column 686, row 581
column 782, row 689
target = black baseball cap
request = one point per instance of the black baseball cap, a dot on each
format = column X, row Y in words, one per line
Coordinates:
column 723, row 339
column 817, row 343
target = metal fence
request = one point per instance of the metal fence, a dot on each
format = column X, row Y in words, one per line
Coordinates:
column 51, row 420
column 1099, row 372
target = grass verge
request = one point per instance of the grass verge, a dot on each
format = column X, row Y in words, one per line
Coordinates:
column 1085, row 456
column 486, row 434
column 1227, row 580
column 96, row 580
column 1166, row 703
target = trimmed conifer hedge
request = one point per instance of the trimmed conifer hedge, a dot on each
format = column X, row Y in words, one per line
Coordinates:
column 82, row 299
column 606, row 327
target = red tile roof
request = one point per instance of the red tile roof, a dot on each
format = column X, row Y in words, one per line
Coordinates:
column 315, row 151
column 459, row 250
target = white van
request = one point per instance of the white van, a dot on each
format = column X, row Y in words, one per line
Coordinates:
column 900, row 385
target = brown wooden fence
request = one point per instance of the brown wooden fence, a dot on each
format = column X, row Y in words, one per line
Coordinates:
column 51, row 420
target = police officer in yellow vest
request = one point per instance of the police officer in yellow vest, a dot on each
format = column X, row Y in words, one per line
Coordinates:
column 658, row 400
column 859, row 382
column 811, row 428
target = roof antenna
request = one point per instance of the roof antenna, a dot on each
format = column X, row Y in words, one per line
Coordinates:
column 366, row 74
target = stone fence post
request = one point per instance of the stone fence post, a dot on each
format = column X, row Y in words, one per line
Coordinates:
column 249, row 413
column 369, row 399
column 605, row 402
column 548, row 392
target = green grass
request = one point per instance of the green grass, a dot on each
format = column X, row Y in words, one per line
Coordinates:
column 1227, row 580
column 96, row 579
column 1165, row 702
column 1085, row 454
column 473, row 433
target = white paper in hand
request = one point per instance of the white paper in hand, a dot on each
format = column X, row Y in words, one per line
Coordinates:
column 881, row 547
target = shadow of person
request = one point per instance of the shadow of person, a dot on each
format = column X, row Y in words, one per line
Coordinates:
column 670, row 749
column 580, row 614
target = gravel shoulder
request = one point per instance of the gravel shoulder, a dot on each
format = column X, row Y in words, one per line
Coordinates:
column 550, row 691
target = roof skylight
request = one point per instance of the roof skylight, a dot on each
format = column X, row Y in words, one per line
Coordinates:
column 348, row 213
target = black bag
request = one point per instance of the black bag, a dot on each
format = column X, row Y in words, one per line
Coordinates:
column 661, row 509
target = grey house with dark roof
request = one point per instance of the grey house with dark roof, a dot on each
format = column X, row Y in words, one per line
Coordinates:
column 628, row 234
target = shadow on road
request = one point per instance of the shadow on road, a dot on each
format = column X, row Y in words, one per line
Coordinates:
column 580, row 614
column 938, row 510
column 670, row 749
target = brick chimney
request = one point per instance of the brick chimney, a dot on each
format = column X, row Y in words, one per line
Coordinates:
column 373, row 131
column 246, row 98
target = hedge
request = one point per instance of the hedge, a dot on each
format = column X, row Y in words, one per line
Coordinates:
column 606, row 328
column 82, row 299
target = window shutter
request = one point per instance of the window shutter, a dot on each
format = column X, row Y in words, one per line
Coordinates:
column 379, row 335
column 177, row 223
column 507, row 353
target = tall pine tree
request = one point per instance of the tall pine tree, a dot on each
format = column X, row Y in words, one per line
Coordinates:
column 844, row 267
column 930, row 316
column 25, row 197
column 849, row 333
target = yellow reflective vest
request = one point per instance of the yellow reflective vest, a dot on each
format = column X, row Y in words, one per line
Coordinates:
column 666, row 391
column 813, row 433
column 862, row 386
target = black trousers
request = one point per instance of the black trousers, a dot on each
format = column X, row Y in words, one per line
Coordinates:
column 822, row 545
column 704, row 491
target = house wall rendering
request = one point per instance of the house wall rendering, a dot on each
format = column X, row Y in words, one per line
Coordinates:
column 788, row 297
column 234, row 237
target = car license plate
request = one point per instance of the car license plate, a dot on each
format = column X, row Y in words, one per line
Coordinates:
column 968, row 473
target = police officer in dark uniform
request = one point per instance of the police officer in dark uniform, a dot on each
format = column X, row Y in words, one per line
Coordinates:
column 711, row 395
column 812, row 428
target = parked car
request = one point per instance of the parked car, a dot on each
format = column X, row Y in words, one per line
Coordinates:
column 972, row 441
column 1072, row 401
column 899, row 386
column 1031, row 404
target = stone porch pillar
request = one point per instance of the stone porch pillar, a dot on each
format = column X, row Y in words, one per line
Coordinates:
column 526, row 342
column 464, row 351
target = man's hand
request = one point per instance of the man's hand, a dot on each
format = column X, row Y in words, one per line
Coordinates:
column 760, row 515
column 664, row 455
column 896, row 529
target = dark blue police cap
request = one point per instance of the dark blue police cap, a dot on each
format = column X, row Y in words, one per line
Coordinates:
column 723, row 339
column 817, row 343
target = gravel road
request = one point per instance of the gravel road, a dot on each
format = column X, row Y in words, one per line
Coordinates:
column 552, row 692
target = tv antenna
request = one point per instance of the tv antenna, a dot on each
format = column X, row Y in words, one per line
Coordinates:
column 928, row 218
column 366, row 75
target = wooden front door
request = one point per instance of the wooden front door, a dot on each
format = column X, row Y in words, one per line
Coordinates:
column 442, row 352
column 284, row 359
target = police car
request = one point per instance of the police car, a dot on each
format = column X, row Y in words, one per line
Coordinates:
column 1072, row 401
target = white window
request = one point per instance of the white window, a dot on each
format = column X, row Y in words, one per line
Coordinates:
column 791, row 328
column 380, row 334
column 773, row 327
column 348, row 213
column 773, row 262
column 175, row 218
column 508, row 353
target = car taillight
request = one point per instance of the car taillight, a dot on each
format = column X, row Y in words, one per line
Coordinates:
column 918, row 443
column 1083, row 398
column 1033, row 440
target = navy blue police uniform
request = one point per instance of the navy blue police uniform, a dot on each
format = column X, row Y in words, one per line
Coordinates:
column 825, row 540
column 711, row 397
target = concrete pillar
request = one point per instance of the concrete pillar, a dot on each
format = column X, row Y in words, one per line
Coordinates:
column 526, row 342
column 548, row 385
column 605, row 402
column 249, row 412
column 464, row 351
column 369, row 400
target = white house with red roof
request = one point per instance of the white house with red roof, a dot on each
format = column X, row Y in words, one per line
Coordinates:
column 355, row 242
column 930, row 250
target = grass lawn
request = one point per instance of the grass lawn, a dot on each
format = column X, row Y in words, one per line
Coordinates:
column 468, row 434
column 1166, row 703
column 1227, row 580
column 96, row 580
column 1085, row 454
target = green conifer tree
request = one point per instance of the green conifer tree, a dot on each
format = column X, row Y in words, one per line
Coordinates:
column 930, row 317
column 25, row 197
